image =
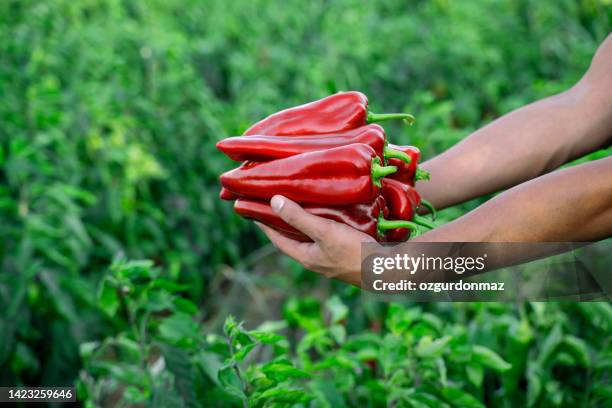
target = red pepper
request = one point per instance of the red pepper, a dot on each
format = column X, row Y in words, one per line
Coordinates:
column 367, row 218
column 265, row 148
column 402, row 201
column 340, row 176
column 332, row 114
column 362, row 217
column 227, row 195
column 408, row 172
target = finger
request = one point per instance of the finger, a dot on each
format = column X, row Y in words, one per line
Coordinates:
column 295, row 249
column 294, row 215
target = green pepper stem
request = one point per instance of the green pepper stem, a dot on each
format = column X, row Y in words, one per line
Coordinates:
column 417, row 219
column 379, row 171
column 390, row 153
column 379, row 117
column 431, row 208
column 384, row 225
column 421, row 174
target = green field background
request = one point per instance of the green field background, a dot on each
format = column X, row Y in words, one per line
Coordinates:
column 109, row 115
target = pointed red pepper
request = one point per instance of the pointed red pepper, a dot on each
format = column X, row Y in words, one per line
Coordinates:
column 227, row 195
column 265, row 148
column 367, row 218
column 339, row 176
column 363, row 217
column 332, row 114
column 408, row 172
column 402, row 201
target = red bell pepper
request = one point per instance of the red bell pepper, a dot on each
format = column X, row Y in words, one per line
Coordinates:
column 408, row 172
column 335, row 113
column 340, row 176
column 402, row 201
column 367, row 218
column 265, row 148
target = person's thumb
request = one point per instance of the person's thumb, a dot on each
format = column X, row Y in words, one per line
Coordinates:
column 294, row 215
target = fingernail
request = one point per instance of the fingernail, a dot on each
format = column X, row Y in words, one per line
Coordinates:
column 277, row 203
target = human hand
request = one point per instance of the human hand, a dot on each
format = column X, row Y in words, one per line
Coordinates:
column 336, row 250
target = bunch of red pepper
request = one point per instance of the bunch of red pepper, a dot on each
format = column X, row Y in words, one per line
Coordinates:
column 329, row 156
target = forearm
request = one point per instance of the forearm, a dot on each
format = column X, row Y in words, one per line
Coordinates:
column 528, row 142
column 573, row 204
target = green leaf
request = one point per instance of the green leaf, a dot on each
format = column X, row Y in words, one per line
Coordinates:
column 366, row 354
column 210, row 363
column 284, row 395
column 242, row 338
column 459, row 398
column 271, row 326
column 338, row 310
column 305, row 313
column 489, row 358
column 475, row 374
column 550, row 346
column 337, row 360
column 338, row 332
column 185, row 306
column 134, row 395
column 157, row 300
column 442, row 371
column 140, row 270
column 170, row 286
column 534, row 386
column 578, row 349
column 180, row 330
column 122, row 373
column 280, row 371
column 425, row 399
column 127, row 349
column 428, row 348
column 179, row 364
column 432, row 321
column 229, row 381
column 87, row 349
column 327, row 395
column 266, row 338
column 231, row 327
column 242, row 352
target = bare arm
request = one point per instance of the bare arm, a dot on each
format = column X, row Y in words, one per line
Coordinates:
column 528, row 142
column 568, row 205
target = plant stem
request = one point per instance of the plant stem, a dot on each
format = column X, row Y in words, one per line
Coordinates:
column 390, row 153
column 379, row 117
column 379, row 171
column 245, row 400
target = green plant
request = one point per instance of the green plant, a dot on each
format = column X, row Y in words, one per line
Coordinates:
column 415, row 358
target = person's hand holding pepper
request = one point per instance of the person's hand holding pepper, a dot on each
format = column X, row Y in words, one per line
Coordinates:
column 336, row 247
column 518, row 149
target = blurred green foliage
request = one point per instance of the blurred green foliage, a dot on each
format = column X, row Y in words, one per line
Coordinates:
column 109, row 111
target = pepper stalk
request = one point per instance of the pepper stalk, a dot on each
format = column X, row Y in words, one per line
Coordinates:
column 421, row 174
column 379, row 117
column 384, row 225
column 390, row 153
column 379, row 171
column 429, row 206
